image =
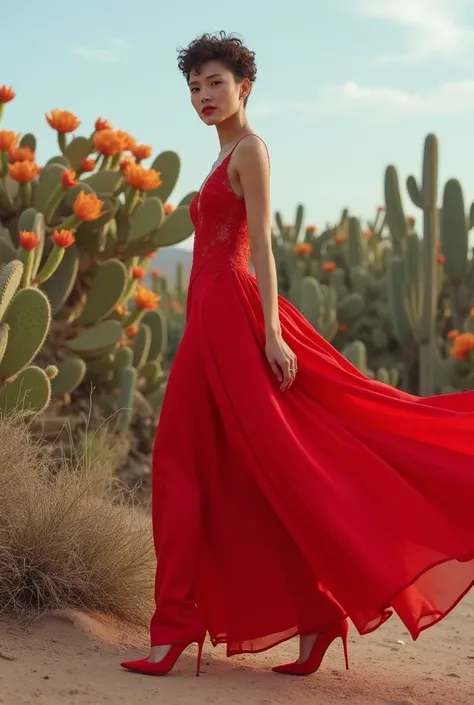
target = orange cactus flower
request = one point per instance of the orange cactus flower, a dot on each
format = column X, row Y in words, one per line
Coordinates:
column 138, row 272
column 157, row 272
column 125, row 163
column 311, row 229
column 339, row 239
column 441, row 259
column 381, row 209
column 87, row 165
column 63, row 238
column 128, row 141
column 343, row 327
column 141, row 151
column 303, row 248
column 6, row 94
column 453, row 334
column 23, row 172
column 62, row 121
column 68, row 178
column 87, row 206
column 132, row 330
column 168, row 208
column 142, row 179
column 462, row 346
column 146, row 299
column 150, row 255
column 29, row 240
column 120, row 310
column 21, row 154
column 8, row 140
column 102, row 124
column 108, row 142
column 367, row 234
column 329, row 266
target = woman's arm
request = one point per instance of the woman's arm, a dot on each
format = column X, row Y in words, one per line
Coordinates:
column 251, row 162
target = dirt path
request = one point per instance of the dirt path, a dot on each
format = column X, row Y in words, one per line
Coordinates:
column 74, row 660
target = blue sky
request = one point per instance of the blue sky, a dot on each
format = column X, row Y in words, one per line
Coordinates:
column 344, row 87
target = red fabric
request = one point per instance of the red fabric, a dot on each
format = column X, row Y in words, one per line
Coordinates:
column 276, row 514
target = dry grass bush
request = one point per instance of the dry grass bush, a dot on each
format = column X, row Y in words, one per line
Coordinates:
column 66, row 538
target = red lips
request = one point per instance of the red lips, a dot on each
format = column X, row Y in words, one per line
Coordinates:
column 207, row 110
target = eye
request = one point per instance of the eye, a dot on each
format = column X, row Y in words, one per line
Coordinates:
column 194, row 89
column 216, row 83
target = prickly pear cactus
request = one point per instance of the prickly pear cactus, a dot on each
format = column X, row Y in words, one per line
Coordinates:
column 25, row 317
column 77, row 238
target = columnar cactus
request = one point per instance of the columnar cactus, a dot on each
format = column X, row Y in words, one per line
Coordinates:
column 413, row 270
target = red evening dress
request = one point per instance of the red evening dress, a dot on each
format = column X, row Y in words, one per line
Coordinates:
column 277, row 514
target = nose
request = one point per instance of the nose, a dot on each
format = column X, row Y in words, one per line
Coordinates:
column 204, row 98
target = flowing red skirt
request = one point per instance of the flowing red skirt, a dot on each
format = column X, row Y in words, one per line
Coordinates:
column 279, row 513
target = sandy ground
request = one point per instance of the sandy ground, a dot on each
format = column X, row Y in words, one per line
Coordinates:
column 73, row 659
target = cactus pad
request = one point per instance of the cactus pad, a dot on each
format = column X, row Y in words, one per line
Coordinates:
column 10, row 278
column 49, row 179
column 151, row 376
column 142, row 346
column 156, row 322
column 108, row 287
column 28, row 140
column 104, row 182
column 168, row 164
column 4, row 332
column 176, row 227
column 30, row 392
column 70, row 374
column 29, row 318
column 77, row 150
column 146, row 219
column 98, row 339
column 186, row 200
column 58, row 287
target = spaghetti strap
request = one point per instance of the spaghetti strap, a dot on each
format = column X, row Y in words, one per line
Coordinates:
column 249, row 134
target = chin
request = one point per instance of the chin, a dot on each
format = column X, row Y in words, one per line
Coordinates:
column 211, row 120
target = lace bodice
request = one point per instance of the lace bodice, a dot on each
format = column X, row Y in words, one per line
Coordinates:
column 220, row 224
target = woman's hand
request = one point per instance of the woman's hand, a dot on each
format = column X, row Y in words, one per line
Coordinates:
column 282, row 360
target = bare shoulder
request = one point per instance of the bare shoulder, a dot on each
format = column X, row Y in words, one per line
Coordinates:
column 252, row 150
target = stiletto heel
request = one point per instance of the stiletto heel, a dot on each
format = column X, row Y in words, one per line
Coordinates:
column 166, row 665
column 345, row 648
column 321, row 645
column 199, row 658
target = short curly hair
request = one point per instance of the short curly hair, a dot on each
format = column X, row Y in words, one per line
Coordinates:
column 228, row 49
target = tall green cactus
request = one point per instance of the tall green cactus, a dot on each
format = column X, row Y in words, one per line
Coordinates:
column 459, row 267
column 413, row 281
column 318, row 305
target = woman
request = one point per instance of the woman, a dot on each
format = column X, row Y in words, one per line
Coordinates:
column 290, row 492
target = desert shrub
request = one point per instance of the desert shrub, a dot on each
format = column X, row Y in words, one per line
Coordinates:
column 63, row 543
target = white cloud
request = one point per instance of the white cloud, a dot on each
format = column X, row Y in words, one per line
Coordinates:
column 449, row 99
column 434, row 26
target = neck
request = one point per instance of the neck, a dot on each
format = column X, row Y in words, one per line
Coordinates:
column 230, row 130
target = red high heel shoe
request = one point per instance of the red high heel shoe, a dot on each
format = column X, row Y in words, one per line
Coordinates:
column 161, row 668
column 321, row 645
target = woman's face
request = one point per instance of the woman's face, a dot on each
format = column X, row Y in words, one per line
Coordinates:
column 215, row 94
